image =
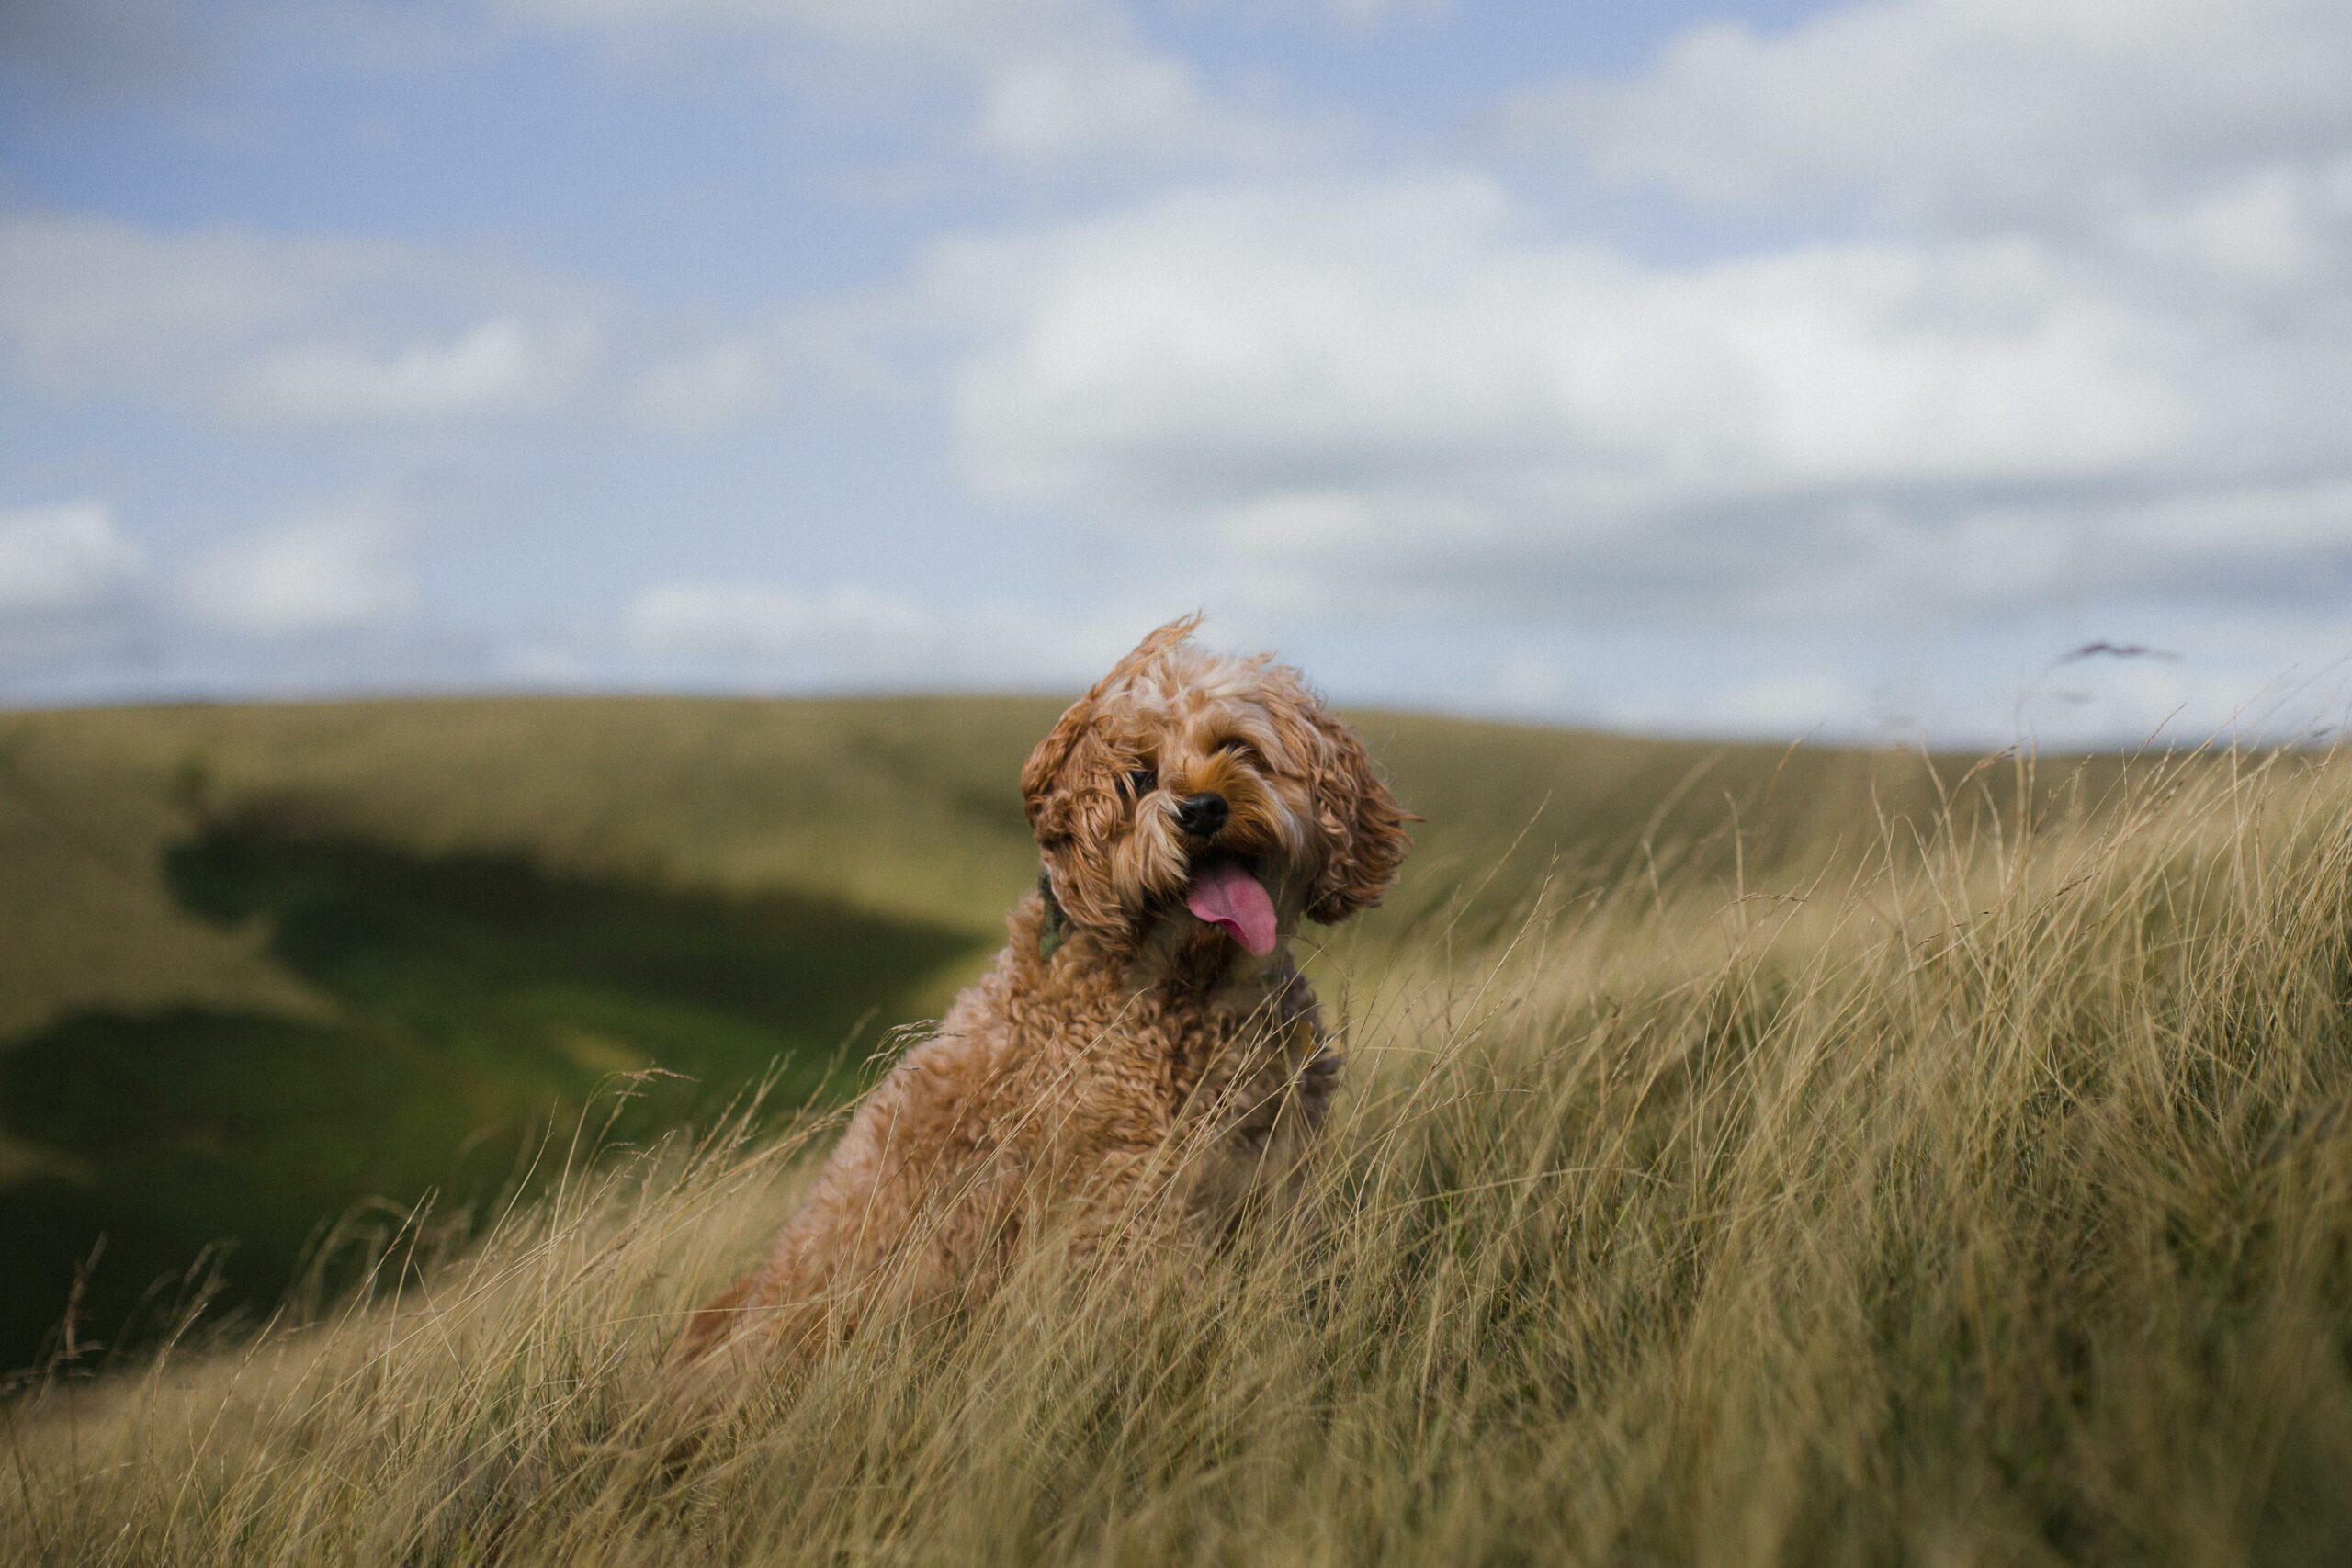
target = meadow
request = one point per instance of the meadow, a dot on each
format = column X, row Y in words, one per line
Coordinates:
column 263, row 966
column 1748, row 1157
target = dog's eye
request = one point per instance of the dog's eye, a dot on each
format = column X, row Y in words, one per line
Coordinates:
column 1142, row 782
column 1239, row 748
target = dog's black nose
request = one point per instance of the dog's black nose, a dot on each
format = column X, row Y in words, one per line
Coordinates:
column 1201, row 815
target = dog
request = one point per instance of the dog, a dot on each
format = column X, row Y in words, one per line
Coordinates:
column 1144, row 1058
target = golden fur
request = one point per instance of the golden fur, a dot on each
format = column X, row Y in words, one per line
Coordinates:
column 1123, row 1065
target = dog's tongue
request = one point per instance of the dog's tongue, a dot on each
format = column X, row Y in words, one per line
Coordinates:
column 1225, row 895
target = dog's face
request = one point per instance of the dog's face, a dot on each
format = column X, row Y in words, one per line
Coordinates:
column 1211, row 794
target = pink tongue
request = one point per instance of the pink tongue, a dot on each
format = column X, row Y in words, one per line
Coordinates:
column 1227, row 896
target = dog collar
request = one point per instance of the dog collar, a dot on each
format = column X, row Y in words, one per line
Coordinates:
column 1057, row 924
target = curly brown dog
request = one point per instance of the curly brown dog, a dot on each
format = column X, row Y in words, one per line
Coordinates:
column 1143, row 1051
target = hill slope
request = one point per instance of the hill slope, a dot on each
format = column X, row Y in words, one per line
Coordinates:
column 260, row 963
column 1989, row 1201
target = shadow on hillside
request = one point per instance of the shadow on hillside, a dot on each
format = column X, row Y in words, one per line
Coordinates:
column 482, row 1000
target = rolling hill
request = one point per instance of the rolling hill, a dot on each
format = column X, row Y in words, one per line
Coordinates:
column 262, row 965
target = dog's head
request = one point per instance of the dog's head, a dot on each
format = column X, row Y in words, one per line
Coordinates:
column 1215, row 792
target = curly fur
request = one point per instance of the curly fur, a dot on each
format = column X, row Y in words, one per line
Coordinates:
column 1123, row 1065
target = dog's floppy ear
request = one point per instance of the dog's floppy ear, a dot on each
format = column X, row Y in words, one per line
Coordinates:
column 1360, row 818
column 1045, row 764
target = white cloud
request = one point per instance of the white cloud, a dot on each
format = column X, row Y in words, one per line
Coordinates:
column 69, row 589
column 334, row 571
column 1960, row 107
column 498, row 365
column 263, row 326
column 1406, row 385
column 1109, row 100
column 1296, row 337
column 61, row 561
column 857, row 637
column 1051, row 81
column 2277, row 230
column 89, row 303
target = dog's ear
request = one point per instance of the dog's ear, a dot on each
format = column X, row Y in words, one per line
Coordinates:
column 1039, row 775
column 1043, row 768
column 1361, row 820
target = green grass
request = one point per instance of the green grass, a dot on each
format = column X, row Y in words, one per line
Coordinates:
column 261, row 965
column 1976, row 1189
column 476, row 998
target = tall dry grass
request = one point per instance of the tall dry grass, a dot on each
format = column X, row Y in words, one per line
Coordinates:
column 1984, row 1199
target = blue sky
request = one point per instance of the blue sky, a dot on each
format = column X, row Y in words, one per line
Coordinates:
column 1781, row 369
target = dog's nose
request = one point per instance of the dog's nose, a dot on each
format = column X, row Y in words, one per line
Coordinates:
column 1201, row 815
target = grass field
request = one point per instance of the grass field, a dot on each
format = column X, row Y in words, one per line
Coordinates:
column 1889, row 1180
column 259, row 966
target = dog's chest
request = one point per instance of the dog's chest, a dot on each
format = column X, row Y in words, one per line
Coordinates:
column 1238, row 1091
column 1249, row 1114
column 1229, row 1081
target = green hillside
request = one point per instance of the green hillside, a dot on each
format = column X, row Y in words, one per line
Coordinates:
column 261, row 965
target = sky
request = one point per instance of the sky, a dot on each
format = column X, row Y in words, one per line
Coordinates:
column 1957, row 371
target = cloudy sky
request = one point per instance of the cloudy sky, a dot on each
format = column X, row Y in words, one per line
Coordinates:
column 1770, row 370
